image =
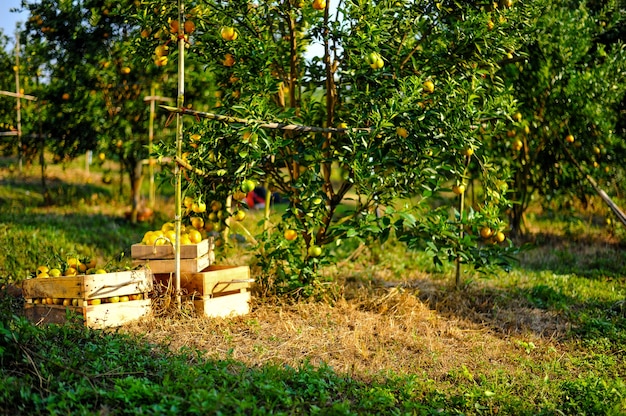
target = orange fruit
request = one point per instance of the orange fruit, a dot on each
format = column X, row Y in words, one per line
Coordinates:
column 486, row 232
column 194, row 236
column 290, row 234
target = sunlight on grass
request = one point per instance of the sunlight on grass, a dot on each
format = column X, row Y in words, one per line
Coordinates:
column 393, row 336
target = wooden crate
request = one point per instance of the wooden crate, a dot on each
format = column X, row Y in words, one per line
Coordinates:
column 48, row 299
column 187, row 251
column 217, row 291
column 234, row 304
column 169, row 266
column 160, row 259
column 94, row 316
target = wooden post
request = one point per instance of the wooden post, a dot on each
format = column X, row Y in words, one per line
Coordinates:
column 151, row 193
column 19, row 102
column 180, row 101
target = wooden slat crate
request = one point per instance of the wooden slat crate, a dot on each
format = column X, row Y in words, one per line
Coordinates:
column 217, row 291
column 99, row 298
column 94, row 316
column 160, row 259
column 187, row 251
column 169, row 266
column 234, row 304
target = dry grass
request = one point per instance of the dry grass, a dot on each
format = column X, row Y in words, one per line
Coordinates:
column 376, row 326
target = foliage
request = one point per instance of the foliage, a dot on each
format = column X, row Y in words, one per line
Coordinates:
column 397, row 104
column 570, row 89
column 7, row 104
column 90, row 95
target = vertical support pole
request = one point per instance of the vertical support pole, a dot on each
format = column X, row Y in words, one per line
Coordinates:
column 457, row 277
column 228, row 221
column 457, row 280
column 180, row 101
column 88, row 157
column 268, row 202
column 151, row 192
column 19, row 101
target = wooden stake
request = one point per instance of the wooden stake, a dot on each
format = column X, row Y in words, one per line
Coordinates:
column 179, row 140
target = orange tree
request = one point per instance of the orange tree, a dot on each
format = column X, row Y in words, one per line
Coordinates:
column 399, row 99
column 571, row 88
column 7, row 104
column 67, row 45
column 91, row 96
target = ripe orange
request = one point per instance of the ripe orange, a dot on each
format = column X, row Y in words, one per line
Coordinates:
column 194, row 236
column 197, row 223
column 402, row 132
column 190, row 26
column 429, row 86
column 70, row 271
column 319, row 4
column 290, row 234
column 229, row 60
column 486, row 232
column 228, row 33
column 161, row 61
column 174, row 26
column 239, row 195
column 569, row 138
column 161, row 50
column 198, row 207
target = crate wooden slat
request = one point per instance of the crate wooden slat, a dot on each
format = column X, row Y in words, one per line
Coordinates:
column 89, row 286
column 187, row 251
column 94, row 316
column 169, row 266
column 217, row 280
column 216, row 291
column 232, row 304
column 81, row 290
column 214, row 280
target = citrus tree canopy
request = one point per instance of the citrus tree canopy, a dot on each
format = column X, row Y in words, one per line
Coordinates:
column 410, row 87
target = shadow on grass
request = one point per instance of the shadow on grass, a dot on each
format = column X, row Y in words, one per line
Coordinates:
column 549, row 305
column 597, row 256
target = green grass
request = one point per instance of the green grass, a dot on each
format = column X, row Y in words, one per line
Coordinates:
column 70, row 370
column 567, row 361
